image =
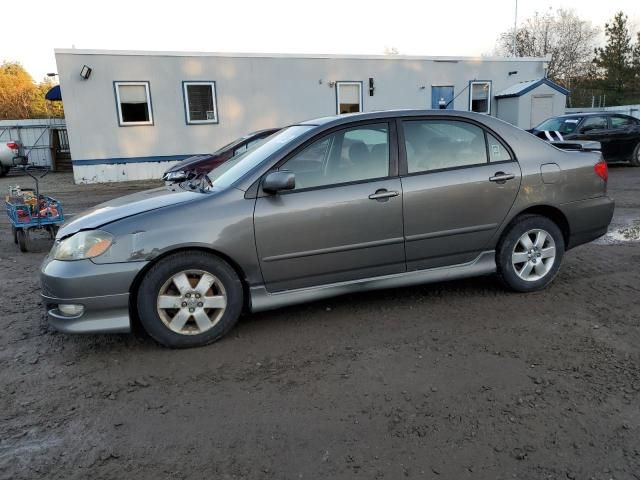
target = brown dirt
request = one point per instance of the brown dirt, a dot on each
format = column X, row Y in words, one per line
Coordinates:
column 454, row 380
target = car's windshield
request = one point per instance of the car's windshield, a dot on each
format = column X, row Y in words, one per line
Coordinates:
column 229, row 172
column 559, row 124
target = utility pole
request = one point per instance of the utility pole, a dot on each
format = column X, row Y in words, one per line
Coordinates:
column 515, row 29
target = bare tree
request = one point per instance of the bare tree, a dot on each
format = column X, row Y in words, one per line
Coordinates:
column 562, row 35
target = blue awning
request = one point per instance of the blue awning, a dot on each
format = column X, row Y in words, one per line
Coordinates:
column 54, row 94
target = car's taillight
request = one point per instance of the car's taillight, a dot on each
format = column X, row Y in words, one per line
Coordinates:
column 601, row 170
column 13, row 145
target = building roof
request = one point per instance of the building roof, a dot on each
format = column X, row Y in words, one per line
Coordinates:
column 444, row 59
column 524, row 87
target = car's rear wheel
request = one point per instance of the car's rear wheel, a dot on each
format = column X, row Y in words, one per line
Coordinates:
column 189, row 299
column 635, row 158
column 4, row 170
column 529, row 254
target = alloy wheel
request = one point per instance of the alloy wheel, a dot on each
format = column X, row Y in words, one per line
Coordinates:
column 191, row 302
column 533, row 255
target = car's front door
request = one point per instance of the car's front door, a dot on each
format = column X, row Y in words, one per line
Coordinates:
column 343, row 220
column 596, row 127
column 459, row 182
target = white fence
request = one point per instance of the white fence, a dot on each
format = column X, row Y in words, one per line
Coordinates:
column 34, row 135
column 633, row 110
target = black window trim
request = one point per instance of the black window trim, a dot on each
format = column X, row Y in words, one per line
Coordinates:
column 404, row 166
column 393, row 157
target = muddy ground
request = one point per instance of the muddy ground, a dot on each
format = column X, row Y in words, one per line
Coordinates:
column 454, row 380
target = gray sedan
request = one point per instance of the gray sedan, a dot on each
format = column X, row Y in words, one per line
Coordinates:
column 326, row 207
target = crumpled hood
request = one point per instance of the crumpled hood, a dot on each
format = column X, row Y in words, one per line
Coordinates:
column 126, row 206
column 188, row 162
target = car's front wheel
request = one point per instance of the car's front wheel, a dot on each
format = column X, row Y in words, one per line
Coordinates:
column 529, row 254
column 189, row 299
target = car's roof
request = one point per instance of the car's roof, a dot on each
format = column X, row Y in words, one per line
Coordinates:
column 591, row 114
column 381, row 114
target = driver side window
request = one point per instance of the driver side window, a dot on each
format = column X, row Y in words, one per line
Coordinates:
column 594, row 123
column 350, row 155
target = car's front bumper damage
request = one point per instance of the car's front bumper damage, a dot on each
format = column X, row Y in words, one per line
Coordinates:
column 99, row 294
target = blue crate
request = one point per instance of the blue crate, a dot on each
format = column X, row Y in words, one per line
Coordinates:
column 29, row 220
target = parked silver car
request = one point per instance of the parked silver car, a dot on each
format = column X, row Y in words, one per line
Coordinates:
column 330, row 206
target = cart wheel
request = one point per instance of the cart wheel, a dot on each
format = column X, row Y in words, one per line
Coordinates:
column 14, row 230
column 23, row 239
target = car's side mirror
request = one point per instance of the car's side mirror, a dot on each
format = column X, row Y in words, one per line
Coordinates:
column 275, row 182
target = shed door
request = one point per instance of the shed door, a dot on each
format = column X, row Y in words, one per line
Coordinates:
column 441, row 94
column 541, row 109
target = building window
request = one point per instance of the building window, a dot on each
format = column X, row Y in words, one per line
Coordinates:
column 480, row 97
column 349, row 97
column 134, row 103
column 200, row 102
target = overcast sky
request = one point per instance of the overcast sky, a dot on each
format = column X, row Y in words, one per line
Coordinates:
column 418, row 27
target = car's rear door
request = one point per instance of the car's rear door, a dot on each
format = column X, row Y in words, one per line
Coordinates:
column 459, row 182
column 624, row 135
column 343, row 220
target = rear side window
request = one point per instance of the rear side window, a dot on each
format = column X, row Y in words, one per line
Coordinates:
column 497, row 151
column 621, row 122
column 440, row 144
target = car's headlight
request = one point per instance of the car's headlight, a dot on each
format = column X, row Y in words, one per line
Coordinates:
column 175, row 176
column 86, row 244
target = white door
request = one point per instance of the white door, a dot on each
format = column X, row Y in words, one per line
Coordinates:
column 541, row 109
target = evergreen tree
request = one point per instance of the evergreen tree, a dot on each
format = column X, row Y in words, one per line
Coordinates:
column 615, row 58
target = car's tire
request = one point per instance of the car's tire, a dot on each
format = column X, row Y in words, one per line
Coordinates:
column 175, row 281
column 4, row 170
column 22, row 235
column 530, row 268
column 635, row 157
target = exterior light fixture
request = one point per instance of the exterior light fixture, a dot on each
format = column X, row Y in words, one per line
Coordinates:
column 85, row 72
column 513, row 72
column 371, row 87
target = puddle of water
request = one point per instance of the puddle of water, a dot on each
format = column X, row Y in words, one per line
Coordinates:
column 621, row 234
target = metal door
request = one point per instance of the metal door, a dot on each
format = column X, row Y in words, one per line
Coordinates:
column 541, row 109
column 442, row 96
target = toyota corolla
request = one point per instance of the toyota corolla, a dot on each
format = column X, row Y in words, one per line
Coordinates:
column 327, row 207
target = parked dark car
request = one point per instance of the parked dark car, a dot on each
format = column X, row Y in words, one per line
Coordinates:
column 198, row 164
column 618, row 135
column 326, row 207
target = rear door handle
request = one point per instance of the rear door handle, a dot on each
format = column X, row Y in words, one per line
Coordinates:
column 382, row 194
column 501, row 177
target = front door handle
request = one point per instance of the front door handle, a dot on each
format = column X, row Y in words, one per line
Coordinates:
column 383, row 194
column 501, row 177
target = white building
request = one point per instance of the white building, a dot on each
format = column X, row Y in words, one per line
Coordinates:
column 130, row 115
